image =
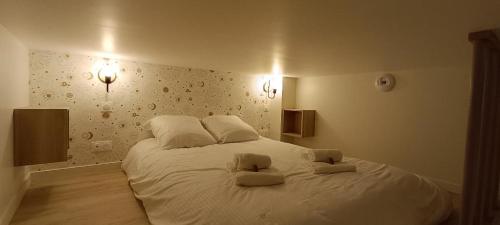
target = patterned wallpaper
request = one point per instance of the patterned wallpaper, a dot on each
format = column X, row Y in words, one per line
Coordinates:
column 141, row 91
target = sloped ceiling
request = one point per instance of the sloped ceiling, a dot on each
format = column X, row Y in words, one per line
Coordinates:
column 305, row 37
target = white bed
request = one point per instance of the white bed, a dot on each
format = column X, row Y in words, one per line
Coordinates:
column 193, row 186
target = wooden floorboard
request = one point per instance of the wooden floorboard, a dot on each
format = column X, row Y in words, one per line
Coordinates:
column 97, row 198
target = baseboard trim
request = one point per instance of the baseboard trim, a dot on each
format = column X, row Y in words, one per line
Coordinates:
column 84, row 167
column 449, row 186
column 15, row 201
column 40, row 178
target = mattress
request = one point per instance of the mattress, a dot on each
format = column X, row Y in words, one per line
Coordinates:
column 193, row 186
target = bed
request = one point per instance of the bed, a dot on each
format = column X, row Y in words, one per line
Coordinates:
column 193, row 186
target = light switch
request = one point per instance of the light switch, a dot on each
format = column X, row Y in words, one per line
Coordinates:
column 107, row 106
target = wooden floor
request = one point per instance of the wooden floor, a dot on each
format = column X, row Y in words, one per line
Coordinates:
column 100, row 197
column 97, row 198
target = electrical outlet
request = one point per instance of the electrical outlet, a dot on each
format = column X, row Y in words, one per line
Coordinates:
column 102, row 146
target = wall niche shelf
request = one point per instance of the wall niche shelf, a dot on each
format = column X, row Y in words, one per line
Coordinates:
column 298, row 123
column 41, row 135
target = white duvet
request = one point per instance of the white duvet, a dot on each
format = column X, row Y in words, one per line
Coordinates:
column 193, row 186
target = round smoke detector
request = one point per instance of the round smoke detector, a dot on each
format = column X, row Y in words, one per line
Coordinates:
column 385, row 82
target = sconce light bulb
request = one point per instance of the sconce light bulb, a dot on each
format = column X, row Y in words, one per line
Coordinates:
column 107, row 71
column 107, row 75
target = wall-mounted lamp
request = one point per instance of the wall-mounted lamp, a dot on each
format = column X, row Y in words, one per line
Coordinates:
column 107, row 75
column 267, row 88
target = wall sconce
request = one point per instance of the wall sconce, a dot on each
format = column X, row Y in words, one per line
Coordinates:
column 107, row 75
column 267, row 88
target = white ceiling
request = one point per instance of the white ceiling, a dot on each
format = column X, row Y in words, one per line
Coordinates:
column 306, row 37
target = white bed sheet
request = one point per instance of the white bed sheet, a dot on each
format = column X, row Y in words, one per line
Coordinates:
column 193, row 186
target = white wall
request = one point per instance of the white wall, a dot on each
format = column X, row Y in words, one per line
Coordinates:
column 419, row 126
column 289, row 99
column 275, row 114
column 13, row 93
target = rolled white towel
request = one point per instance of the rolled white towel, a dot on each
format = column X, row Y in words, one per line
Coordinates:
column 230, row 167
column 250, row 161
column 264, row 177
column 327, row 168
column 325, row 155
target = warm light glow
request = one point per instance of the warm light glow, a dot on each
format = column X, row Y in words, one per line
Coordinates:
column 277, row 71
column 108, row 42
column 105, row 68
column 267, row 82
column 277, row 76
column 276, row 82
column 107, row 71
column 273, row 80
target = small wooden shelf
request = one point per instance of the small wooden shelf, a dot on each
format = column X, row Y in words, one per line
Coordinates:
column 291, row 134
column 41, row 135
column 298, row 122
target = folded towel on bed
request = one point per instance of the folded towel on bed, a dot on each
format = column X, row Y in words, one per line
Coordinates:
column 327, row 168
column 264, row 177
column 250, row 161
column 325, row 155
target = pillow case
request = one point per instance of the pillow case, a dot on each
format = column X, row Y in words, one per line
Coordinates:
column 144, row 134
column 229, row 129
column 176, row 131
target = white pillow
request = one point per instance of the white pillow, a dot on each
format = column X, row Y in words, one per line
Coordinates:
column 144, row 134
column 229, row 129
column 173, row 131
